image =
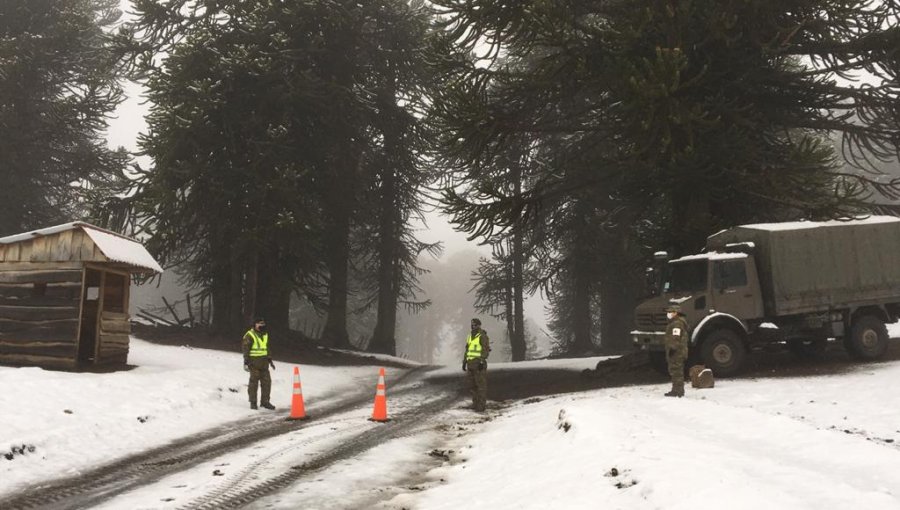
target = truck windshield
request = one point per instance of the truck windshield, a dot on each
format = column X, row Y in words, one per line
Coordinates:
column 687, row 276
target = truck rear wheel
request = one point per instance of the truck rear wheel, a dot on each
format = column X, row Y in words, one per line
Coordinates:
column 868, row 338
column 723, row 352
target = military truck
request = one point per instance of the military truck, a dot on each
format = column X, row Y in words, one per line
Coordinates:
column 796, row 285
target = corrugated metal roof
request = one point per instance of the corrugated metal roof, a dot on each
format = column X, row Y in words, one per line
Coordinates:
column 115, row 247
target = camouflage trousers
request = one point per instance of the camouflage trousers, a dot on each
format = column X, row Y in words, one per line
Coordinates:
column 478, row 384
column 259, row 376
column 676, row 369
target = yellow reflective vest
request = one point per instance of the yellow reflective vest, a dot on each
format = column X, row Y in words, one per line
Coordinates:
column 260, row 345
column 473, row 346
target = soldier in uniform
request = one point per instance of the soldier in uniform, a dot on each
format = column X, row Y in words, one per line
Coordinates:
column 478, row 348
column 255, row 346
column 676, row 349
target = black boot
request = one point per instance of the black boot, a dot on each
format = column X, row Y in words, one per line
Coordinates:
column 268, row 405
column 253, row 405
column 676, row 391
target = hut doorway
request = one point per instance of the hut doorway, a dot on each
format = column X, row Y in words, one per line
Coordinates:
column 90, row 309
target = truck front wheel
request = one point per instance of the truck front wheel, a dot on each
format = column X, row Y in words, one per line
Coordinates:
column 723, row 352
column 868, row 338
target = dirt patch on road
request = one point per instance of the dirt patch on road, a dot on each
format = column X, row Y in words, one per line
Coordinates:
column 289, row 347
column 634, row 369
column 521, row 383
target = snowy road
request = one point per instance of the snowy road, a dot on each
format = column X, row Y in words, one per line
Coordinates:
column 284, row 462
column 254, row 457
column 784, row 436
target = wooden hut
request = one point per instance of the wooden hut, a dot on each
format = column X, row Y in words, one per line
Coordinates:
column 64, row 295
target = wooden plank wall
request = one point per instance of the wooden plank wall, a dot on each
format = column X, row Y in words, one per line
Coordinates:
column 39, row 314
column 114, row 331
column 70, row 245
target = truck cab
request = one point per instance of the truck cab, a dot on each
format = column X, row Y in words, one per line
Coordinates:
column 717, row 291
column 797, row 285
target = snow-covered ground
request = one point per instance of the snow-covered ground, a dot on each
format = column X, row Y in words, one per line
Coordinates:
column 821, row 442
column 76, row 420
column 775, row 443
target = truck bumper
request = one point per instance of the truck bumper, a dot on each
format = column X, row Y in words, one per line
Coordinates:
column 648, row 340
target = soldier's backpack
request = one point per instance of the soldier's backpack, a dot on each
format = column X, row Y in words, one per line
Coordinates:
column 701, row 377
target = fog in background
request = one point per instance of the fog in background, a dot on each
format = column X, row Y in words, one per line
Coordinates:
column 435, row 335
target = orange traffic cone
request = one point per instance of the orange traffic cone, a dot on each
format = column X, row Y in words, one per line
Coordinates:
column 297, row 410
column 380, row 411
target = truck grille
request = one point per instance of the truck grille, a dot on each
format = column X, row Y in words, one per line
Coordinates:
column 651, row 321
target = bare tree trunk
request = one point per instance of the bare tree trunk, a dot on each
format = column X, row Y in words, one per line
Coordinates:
column 517, row 341
column 235, row 294
column 692, row 220
column 221, row 302
column 202, row 309
column 510, row 309
column 273, row 292
column 335, row 332
column 190, row 309
column 389, row 277
column 250, row 285
column 620, row 289
column 582, row 310
column 582, row 278
column 618, row 297
column 342, row 203
column 513, row 263
column 383, row 338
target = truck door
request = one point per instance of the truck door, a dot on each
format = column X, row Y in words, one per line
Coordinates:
column 735, row 289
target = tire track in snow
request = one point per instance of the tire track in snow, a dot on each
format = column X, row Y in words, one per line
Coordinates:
column 105, row 482
column 239, row 495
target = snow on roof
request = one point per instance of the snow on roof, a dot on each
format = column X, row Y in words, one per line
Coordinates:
column 713, row 255
column 115, row 247
column 123, row 249
column 40, row 232
column 797, row 225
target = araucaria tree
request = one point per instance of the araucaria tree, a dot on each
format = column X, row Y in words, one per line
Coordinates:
column 394, row 171
column 58, row 86
column 673, row 118
column 281, row 134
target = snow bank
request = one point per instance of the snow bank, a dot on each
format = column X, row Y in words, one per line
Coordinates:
column 76, row 420
column 806, row 443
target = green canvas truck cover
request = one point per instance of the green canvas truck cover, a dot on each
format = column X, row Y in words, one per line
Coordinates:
column 817, row 266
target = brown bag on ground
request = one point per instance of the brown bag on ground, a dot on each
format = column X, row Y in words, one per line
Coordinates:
column 701, row 377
